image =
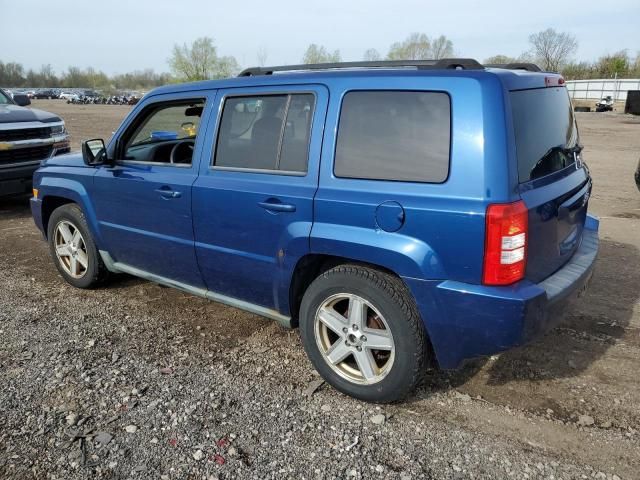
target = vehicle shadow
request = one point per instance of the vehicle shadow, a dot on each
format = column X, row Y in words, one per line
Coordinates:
column 15, row 207
column 591, row 325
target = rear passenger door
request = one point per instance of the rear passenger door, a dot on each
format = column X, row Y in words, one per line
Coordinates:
column 253, row 199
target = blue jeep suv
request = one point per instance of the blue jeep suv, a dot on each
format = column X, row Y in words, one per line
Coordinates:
column 402, row 214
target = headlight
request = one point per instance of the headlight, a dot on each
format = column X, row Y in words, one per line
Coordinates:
column 58, row 130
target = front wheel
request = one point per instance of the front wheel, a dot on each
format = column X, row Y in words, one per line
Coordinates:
column 362, row 332
column 73, row 249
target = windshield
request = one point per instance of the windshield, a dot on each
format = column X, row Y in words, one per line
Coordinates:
column 4, row 99
column 545, row 131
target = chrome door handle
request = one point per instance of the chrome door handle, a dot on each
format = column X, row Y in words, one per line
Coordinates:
column 168, row 193
column 277, row 207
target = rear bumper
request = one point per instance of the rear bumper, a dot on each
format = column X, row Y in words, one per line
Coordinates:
column 465, row 321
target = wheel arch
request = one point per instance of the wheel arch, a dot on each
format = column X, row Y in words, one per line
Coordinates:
column 56, row 192
column 310, row 266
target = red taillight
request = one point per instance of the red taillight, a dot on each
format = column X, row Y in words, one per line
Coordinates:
column 505, row 249
column 555, row 81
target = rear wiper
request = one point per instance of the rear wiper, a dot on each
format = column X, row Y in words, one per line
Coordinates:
column 540, row 169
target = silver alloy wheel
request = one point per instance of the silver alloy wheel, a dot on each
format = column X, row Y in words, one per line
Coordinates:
column 71, row 249
column 354, row 338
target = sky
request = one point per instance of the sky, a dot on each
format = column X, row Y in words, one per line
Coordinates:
column 117, row 36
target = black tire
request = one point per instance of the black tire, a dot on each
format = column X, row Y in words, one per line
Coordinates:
column 391, row 298
column 96, row 272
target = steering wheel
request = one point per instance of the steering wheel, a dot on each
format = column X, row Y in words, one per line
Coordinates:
column 186, row 147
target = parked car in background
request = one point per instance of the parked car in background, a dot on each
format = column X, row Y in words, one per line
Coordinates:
column 27, row 136
column 402, row 214
column 45, row 94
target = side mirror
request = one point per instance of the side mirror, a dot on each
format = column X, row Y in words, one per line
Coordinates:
column 94, row 151
column 21, row 99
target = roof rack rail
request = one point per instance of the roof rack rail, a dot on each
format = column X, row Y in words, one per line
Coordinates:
column 443, row 63
column 529, row 67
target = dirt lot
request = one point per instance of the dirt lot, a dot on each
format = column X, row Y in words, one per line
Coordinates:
column 138, row 381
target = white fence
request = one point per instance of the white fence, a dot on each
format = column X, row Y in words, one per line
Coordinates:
column 600, row 88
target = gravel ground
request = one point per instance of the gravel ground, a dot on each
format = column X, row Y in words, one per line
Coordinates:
column 134, row 380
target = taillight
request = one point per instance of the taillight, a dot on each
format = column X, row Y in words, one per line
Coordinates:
column 505, row 249
column 555, row 81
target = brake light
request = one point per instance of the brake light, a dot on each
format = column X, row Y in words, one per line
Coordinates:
column 555, row 81
column 505, row 249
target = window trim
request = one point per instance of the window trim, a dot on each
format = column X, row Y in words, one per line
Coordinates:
column 392, row 90
column 136, row 123
column 288, row 93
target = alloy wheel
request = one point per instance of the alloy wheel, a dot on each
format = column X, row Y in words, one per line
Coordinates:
column 354, row 338
column 71, row 249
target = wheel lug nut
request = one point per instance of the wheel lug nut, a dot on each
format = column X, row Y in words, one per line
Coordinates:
column 363, row 338
column 359, row 349
column 345, row 329
column 355, row 327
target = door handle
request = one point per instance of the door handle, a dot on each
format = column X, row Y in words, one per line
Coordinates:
column 166, row 192
column 276, row 206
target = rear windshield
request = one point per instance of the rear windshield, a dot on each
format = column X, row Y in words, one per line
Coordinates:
column 545, row 131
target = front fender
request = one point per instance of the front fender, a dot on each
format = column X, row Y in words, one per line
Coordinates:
column 76, row 192
column 405, row 256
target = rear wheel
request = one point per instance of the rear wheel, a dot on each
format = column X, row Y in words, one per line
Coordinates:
column 362, row 332
column 72, row 248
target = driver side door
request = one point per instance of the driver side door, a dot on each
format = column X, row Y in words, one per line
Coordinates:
column 143, row 200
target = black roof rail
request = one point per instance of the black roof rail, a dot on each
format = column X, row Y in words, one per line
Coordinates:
column 529, row 67
column 443, row 63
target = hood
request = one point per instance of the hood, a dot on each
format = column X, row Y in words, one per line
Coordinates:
column 67, row 160
column 14, row 113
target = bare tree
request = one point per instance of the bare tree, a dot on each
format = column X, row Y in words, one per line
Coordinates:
column 500, row 60
column 319, row 54
column 262, row 56
column 441, row 47
column 200, row 61
column 371, row 55
column 552, row 49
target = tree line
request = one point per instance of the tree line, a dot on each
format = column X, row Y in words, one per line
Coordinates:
column 13, row 74
column 553, row 51
column 550, row 49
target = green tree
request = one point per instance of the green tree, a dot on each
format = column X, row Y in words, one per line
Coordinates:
column 418, row 46
column 200, row 61
column 319, row 54
column 617, row 64
column 552, row 50
column 11, row 74
column 578, row 71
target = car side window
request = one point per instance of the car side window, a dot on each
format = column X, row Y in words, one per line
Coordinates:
column 394, row 135
column 164, row 133
column 265, row 132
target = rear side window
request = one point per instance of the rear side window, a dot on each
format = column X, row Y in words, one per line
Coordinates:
column 545, row 131
column 268, row 132
column 389, row 135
